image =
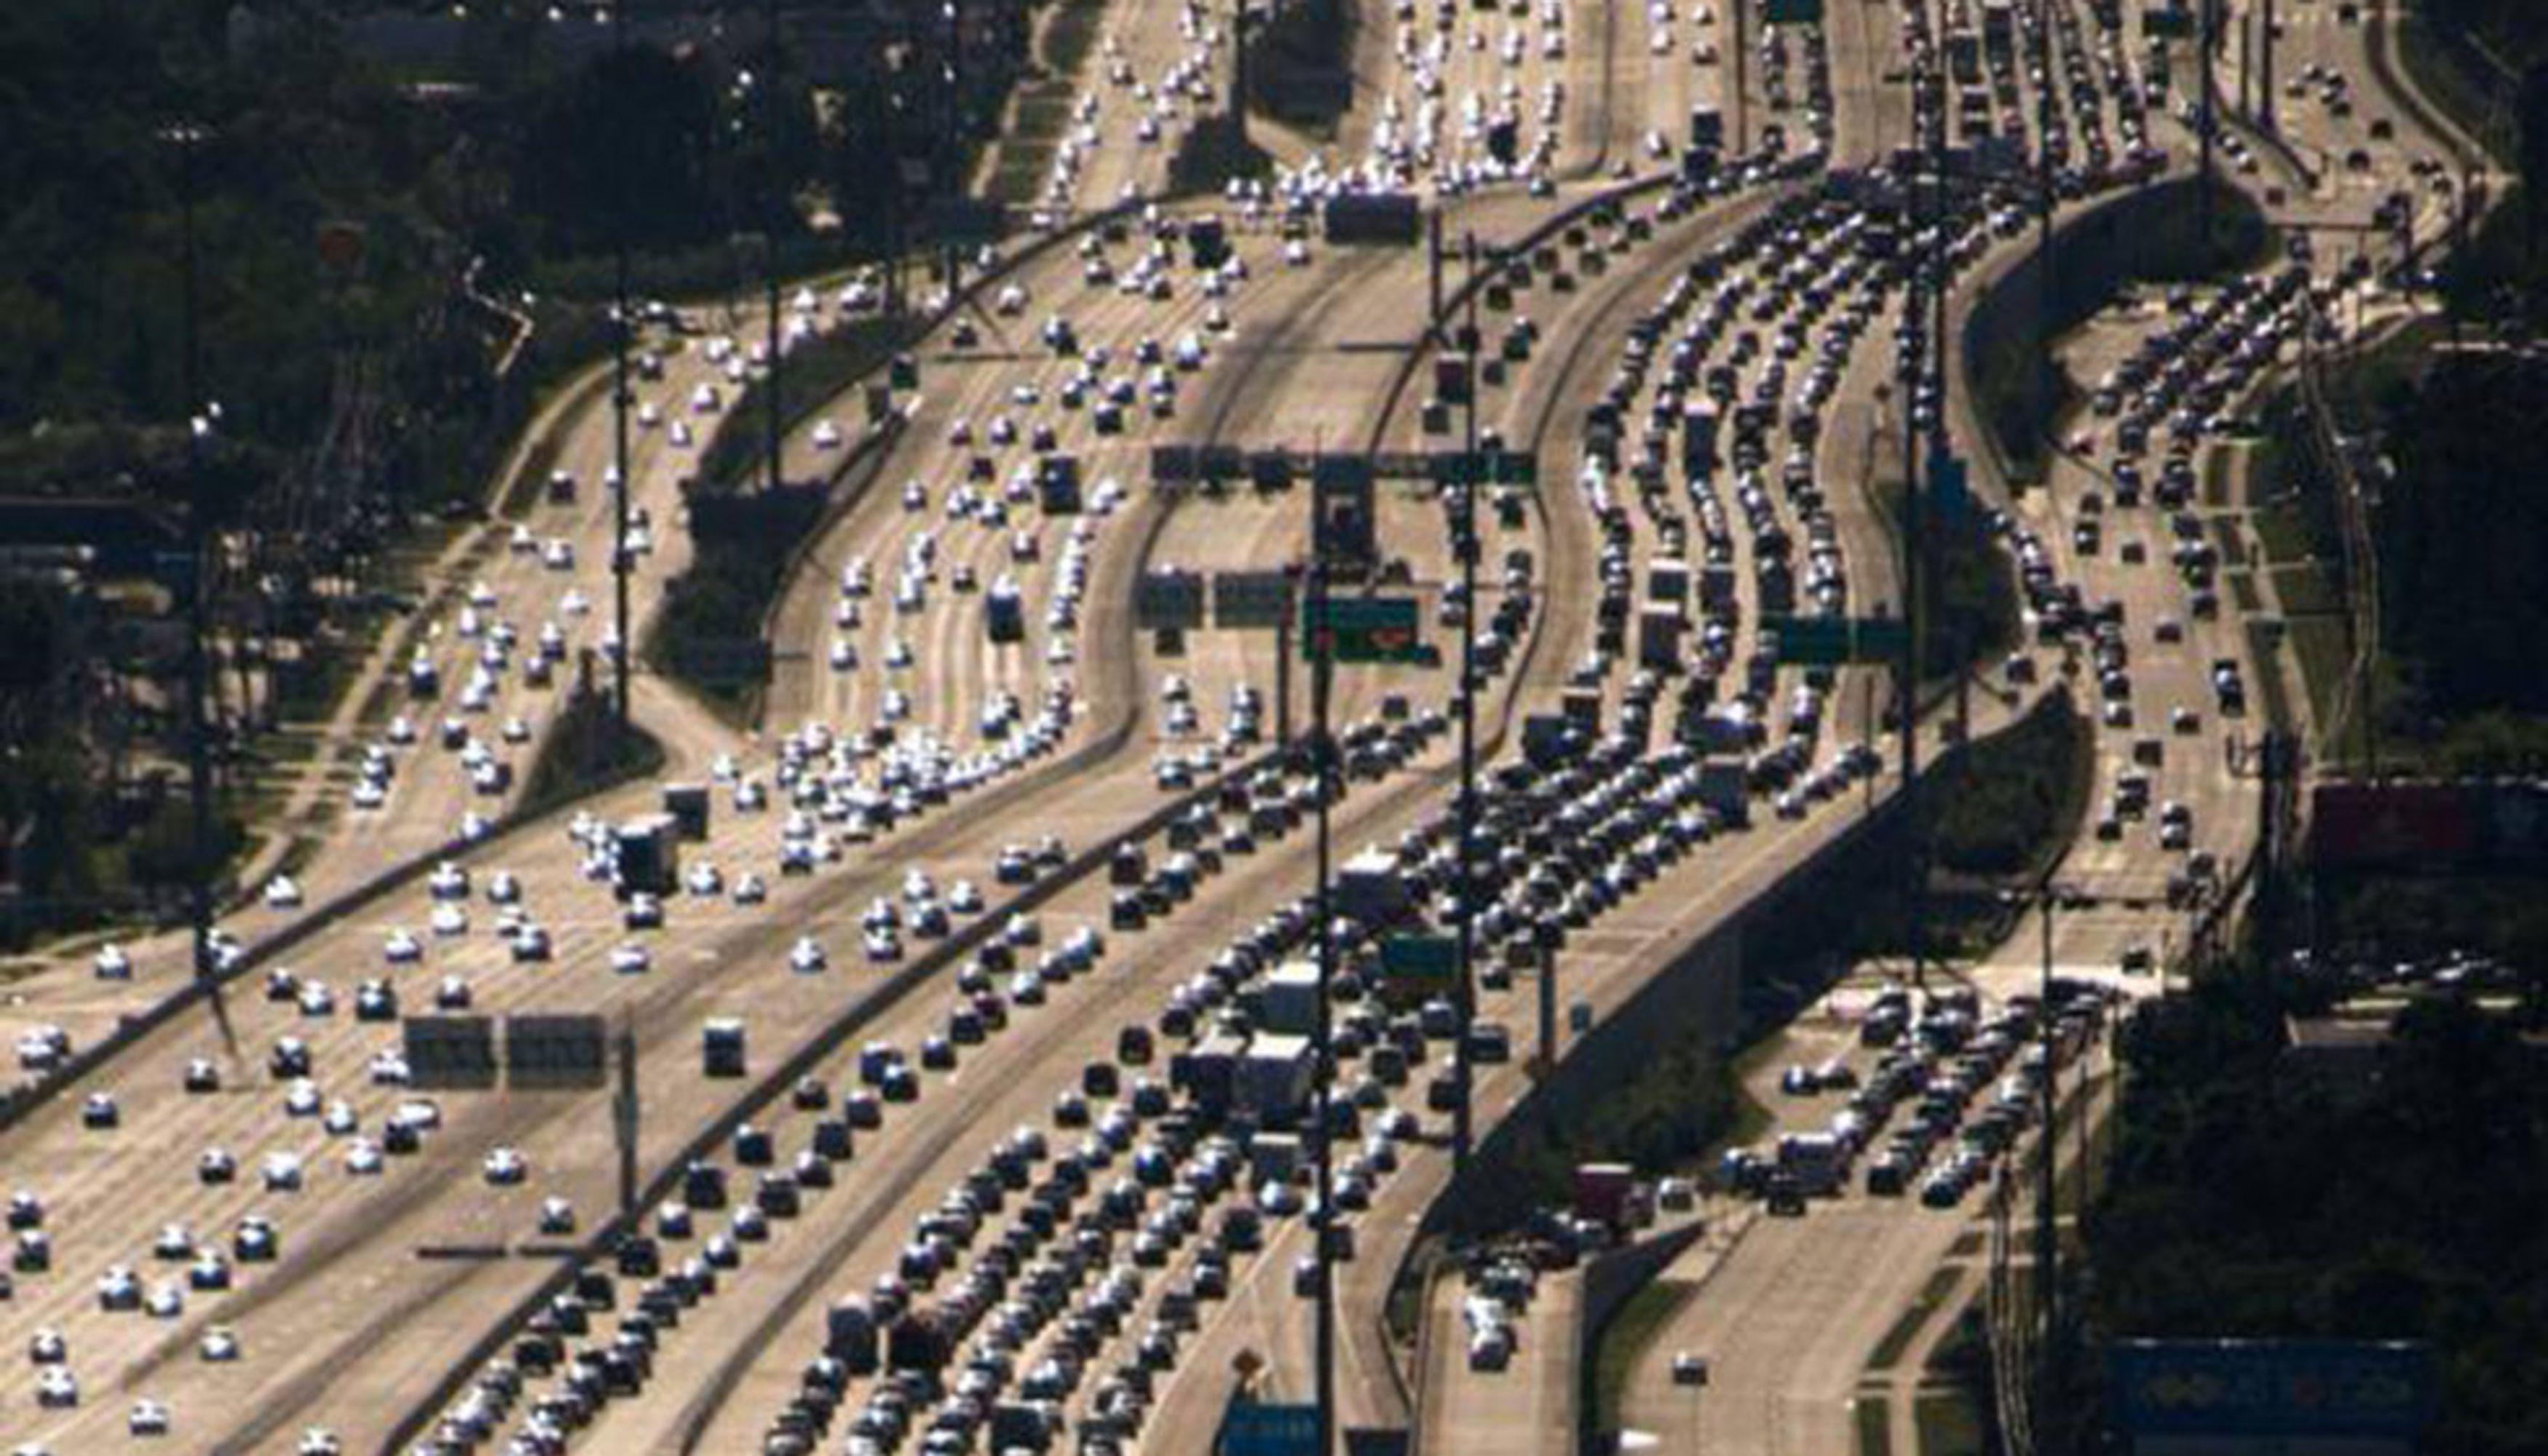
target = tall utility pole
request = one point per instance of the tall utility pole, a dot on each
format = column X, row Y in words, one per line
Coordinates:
column 623, row 1121
column 2264, row 114
column 2205, row 121
column 953, row 72
column 778, row 204
column 1238, row 70
column 1914, row 518
column 1462, row 1071
column 624, row 325
column 199, row 748
column 1320, row 638
column 2048, row 1247
column 1742, row 13
column 2046, row 293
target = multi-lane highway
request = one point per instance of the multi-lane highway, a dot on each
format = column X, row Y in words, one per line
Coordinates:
column 252, row 1227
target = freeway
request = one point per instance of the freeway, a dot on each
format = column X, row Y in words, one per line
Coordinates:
column 892, row 704
column 1790, row 1317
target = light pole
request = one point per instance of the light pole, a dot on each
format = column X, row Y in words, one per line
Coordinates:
column 624, row 323
column 186, row 137
column 2049, row 898
column 1320, row 639
column 778, row 204
column 1467, row 543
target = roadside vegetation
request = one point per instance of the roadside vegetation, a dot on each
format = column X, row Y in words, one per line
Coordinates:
column 2017, row 797
column 2455, row 686
column 2247, row 1200
column 1212, row 154
column 1665, row 1116
column 368, row 251
column 815, row 376
column 588, row 749
column 2019, row 395
column 1300, row 64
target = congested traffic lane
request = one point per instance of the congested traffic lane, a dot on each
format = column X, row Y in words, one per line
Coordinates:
column 352, row 1239
column 427, row 796
column 1031, row 1073
column 2196, row 756
column 1266, row 1317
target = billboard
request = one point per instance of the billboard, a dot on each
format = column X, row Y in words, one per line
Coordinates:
column 1258, row 600
column 450, row 1054
column 2267, row 1392
column 2432, row 827
column 1361, row 629
column 1266, row 1429
column 1167, row 599
column 557, row 1053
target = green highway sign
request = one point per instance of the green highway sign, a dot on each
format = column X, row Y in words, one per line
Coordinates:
column 1951, row 487
column 1486, row 468
column 556, row 1052
column 1259, row 599
column 1360, row 629
column 2167, row 22
column 1879, row 639
column 1811, row 642
column 1831, row 642
column 1428, row 958
column 1796, row 12
column 1168, row 598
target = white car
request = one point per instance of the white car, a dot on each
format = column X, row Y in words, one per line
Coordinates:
column 807, row 957
column 630, row 958
column 505, row 1166
column 283, row 893
column 113, row 964
column 281, row 1172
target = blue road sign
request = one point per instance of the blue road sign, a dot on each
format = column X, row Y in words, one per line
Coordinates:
column 2360, row 1389
column 1255, row 1428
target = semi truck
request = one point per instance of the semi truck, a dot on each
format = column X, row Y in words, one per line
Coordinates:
column 1706, row 128
column 1057, row 485
column 687, row 804
column 1817, row 1162
column 1724, row 787
column 1667, row 579
column 1603, row 1192
column 1208, row 1072
column 650, row 857
column 1658, row 634
column 1374, row 216
column 721, row 1047
column 1371, row 889
column 1548, row 739
column 1004, row 606
column 1287, row 1000
column 1275, row 1079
